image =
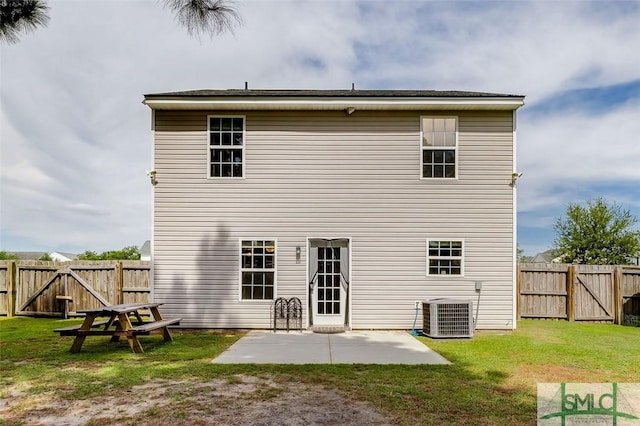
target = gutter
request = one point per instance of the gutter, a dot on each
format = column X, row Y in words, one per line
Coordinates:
column 333, row 103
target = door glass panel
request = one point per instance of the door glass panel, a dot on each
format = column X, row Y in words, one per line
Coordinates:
column 328, row 281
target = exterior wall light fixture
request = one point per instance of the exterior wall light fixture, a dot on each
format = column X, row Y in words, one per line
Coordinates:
column 514, row 178
column 152, row 176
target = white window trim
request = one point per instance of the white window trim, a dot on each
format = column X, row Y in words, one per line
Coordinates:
column 275, row 270
column 351, row 280
column 244, row 144
column 440, row 179
column 462, row 258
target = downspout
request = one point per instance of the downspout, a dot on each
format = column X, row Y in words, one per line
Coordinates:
column 514, row 259
column 152, row 293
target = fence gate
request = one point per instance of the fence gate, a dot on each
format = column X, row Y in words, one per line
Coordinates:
column 54, row 296
column 593, row 295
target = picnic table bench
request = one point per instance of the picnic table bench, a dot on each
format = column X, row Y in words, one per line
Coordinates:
column 120, row 325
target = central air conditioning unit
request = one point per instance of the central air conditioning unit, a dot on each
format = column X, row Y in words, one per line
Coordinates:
column 448, row 318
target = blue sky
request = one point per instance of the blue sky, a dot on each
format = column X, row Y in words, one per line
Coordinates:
column 75, row 138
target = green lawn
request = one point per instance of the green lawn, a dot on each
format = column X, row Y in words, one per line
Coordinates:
column 492, row 380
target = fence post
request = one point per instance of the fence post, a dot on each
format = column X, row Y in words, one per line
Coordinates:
column 571, row 277
column 11, row 289
column 617, row 295
column 119, row 279
column 518, row 289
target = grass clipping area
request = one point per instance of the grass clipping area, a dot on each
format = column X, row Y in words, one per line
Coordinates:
column 492, row 380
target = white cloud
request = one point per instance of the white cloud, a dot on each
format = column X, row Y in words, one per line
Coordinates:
column 531, row 48
column 76, row 140
column 567, row 152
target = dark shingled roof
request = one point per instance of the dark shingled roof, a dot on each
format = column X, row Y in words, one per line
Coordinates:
column 329, row 93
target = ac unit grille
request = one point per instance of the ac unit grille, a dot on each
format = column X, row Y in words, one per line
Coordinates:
column 448, row 318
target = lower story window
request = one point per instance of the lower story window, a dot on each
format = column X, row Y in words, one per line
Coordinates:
column 444, row 257
column 257, row 269
column 439, row 163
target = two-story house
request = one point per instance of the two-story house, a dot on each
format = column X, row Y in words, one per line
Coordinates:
column 358, row 202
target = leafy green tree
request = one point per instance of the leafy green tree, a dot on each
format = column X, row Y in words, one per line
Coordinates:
column 597, row 234
column 8, row 256
column 127, row 253
column 89, row 255
column 45, row 257
column 520, row 256
column 210, row 17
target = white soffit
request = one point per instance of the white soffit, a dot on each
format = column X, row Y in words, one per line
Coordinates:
column 335, row 104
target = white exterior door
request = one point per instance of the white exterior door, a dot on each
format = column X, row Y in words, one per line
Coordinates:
column 329, row 286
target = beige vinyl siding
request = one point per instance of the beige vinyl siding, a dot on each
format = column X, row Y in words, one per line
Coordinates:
column 329, row 174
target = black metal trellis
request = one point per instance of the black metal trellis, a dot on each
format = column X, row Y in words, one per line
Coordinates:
column 287, row 314
column 294, row 312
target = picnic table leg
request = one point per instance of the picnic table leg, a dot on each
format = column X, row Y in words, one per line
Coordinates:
column 125, row 323
column 86, row 326
column 117, row 333
column 166, row 335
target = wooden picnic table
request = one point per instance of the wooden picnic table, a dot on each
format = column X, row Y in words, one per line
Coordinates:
column 118, row 324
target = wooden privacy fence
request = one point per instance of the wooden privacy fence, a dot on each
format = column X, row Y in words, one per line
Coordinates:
column 578, row 292
column 37, row 288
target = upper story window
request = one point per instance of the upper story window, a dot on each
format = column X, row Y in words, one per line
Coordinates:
column 226, row 146
column 439, row 147
column 444, row 257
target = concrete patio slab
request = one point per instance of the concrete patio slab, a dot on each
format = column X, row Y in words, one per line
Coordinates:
column 354, row 347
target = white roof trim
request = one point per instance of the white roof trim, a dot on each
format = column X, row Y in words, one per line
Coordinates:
column 471, row 103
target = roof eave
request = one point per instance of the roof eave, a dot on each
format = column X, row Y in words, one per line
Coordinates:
column 366, row 104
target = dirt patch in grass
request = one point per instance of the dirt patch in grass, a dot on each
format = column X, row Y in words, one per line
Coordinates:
column 532, row 374
column 237, row 401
